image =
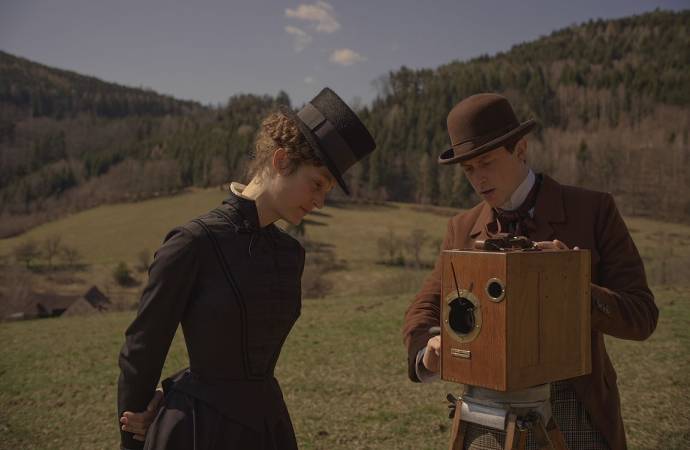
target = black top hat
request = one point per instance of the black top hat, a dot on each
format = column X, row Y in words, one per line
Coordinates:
column 335, row 132
column 481, row 123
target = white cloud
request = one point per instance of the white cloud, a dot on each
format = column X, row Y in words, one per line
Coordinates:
column 308, row 80
column 300, row 38
column 319, row 14
column 346, row 57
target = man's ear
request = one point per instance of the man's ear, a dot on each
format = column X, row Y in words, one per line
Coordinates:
column 281, row 161
column 521, row 149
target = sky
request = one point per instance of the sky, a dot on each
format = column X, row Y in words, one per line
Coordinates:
column 209, row 50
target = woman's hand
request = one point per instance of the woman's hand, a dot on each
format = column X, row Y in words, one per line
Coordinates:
column 138, row 423
column 432, row 354
column 553, row 245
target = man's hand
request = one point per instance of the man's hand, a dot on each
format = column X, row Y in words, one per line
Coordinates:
column 138, row 423
column 553, row 245
column 432, row 354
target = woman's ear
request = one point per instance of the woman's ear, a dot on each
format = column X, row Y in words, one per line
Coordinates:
column 281, row 161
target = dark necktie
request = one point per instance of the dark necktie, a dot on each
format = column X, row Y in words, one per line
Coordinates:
column 519, row 222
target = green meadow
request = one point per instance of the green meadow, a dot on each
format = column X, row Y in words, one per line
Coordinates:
column 343, row 368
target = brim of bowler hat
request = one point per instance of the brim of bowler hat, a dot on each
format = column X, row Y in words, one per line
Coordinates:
column 449, row 157
column 314, row 143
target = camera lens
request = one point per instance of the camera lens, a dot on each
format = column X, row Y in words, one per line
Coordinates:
column 495, row 290
column 461, row 316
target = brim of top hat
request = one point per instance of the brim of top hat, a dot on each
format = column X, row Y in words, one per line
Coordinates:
column 314, row 143
column 450, row 157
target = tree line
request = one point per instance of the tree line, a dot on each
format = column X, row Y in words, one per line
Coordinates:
column 602, row 92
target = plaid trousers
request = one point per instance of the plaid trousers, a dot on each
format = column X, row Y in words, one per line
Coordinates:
column 568, row 412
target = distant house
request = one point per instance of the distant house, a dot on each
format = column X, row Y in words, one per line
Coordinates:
column 93, row 301
column 50, row 304
column 97, row 299
column 42, row 304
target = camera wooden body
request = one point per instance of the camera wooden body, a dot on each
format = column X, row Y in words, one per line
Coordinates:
column 516, row 319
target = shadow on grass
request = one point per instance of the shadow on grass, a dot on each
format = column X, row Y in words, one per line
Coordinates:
column 45, row 269
column 315, row 246
column 361, row 205
column 400, row 262
column 319, row 214
column 314, row 223
column 436, row 210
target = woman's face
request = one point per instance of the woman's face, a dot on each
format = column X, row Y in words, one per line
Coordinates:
column 299, row 192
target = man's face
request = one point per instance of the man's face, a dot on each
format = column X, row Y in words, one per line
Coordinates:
column 496, row 174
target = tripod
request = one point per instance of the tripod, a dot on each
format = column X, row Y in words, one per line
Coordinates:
column 519, row 421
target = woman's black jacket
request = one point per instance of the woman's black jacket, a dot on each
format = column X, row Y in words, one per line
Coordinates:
column 235, row 289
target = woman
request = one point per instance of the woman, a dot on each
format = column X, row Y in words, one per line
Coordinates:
column 232, row 280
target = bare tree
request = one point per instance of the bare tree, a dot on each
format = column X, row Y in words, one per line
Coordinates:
column 389, row 246
column 51, row 247
column 71, row 256
column 122, row 275
column 418, row 237
column 27, row 252
column 144, row 259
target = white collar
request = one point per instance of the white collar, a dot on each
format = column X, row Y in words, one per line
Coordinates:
column 520, row 194
column 237, row 189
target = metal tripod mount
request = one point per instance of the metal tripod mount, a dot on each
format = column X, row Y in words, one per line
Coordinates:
column 515, row 412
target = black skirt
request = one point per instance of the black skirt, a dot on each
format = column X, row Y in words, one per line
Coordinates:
column 187, row 423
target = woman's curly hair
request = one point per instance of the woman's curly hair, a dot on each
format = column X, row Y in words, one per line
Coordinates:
column 279, row 131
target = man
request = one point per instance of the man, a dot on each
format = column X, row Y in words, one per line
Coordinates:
column 490, row 144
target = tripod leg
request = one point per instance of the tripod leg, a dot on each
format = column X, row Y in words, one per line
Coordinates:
column 511, row 429
column 540, row 435
column 555, row 435
column 457, row 434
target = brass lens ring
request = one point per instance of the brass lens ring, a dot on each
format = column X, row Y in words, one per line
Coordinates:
column 495, row 290
column 462, row 315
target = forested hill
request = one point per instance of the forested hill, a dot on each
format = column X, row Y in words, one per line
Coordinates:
column 70, row 142
column 612, row 98
column 41, row 91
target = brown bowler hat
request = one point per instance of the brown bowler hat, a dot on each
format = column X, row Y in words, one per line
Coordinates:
column 481, row 123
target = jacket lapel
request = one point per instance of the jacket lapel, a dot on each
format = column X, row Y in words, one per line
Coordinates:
column 548, row 209
column 486, row 216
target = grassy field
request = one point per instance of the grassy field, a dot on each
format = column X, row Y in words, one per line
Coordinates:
column 343, row 366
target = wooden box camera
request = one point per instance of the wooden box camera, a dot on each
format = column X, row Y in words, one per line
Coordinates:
column 515, row 319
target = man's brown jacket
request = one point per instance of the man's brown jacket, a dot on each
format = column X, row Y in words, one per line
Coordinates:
column 622, row 304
